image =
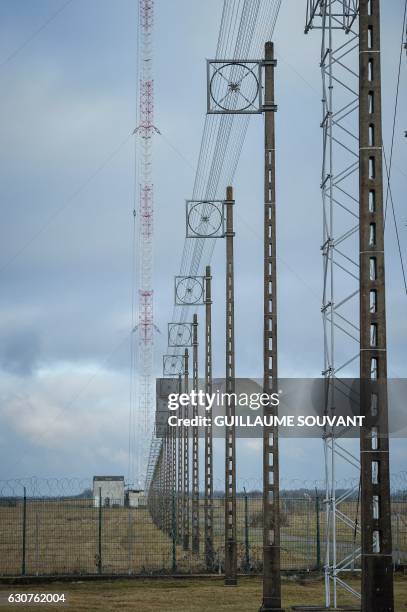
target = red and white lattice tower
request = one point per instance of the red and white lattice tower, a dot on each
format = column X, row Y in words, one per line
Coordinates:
column 145, row 328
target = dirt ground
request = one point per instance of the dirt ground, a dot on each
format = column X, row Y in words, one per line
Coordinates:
column 176, row 595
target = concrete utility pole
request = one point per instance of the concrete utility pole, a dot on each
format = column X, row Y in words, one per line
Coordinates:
column 208, row 510
column 195, row 443
column 180, row 473
column 235, row 87
column 185, row 509
column 167, row 481
column 271, row 489
column 170, row 491
column 173, row 435
column 352, row 140
column 377, row 566
column 230, row 434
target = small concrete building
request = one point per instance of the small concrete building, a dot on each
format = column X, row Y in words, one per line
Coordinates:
column 110, row 489
column 135, row 498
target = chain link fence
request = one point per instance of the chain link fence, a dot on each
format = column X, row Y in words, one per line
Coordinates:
column 73, row 535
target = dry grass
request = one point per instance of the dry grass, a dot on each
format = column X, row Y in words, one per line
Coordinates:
column 189, row 595
column 62, row 537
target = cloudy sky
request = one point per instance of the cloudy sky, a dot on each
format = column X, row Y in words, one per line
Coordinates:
column 68, row 105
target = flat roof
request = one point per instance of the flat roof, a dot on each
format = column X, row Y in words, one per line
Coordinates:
column 108, row 478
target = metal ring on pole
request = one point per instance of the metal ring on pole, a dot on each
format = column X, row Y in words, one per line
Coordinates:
column 233, row 92
column 173, row 365
column 189, row 290
column 205, row 219
column 179, row 334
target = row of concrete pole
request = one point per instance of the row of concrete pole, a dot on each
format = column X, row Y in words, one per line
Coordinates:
column 172, row 485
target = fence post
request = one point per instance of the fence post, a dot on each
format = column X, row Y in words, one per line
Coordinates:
column 100, row 533
column 246, row 532
column 398, row 560
column 37, row 543
column 129, row 537
column 174, row 533
column 318, row 530
column 24, row 531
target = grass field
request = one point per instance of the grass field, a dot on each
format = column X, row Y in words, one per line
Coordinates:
column 62, row 537
column 186, row 594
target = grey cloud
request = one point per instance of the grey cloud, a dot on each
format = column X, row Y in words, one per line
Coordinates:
column 69, row 100
column 20, row 351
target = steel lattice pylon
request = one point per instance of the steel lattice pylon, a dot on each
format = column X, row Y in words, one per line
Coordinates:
column 337, row 21
column 353, row 304
column 143, row 418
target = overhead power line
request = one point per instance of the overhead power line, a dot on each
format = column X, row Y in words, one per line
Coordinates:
column 245, row 27
column 395, row 109
column 388, row 165
column 34, row 35
column 396, row 226
column 60, row 209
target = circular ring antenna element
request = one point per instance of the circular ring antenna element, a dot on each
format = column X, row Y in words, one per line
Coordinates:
column 189, row 290
column 234, row 87
column 173, row 364
column 205, row 219
column 180, row 335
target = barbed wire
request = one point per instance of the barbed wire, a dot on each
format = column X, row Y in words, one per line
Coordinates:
column 77, row 487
